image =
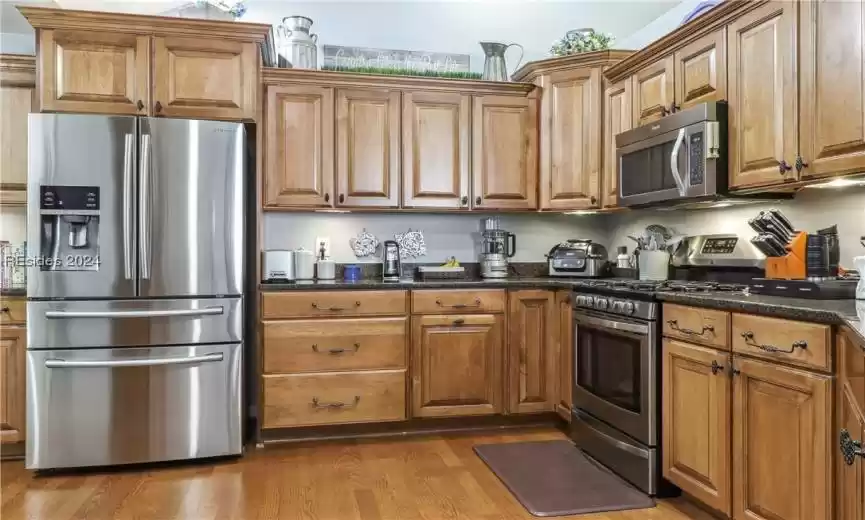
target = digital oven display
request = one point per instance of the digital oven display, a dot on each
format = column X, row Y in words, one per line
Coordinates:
column 719, row 246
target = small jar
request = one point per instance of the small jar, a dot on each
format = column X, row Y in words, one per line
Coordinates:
column 623, row 261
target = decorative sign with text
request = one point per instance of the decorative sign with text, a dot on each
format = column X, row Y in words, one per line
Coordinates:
column 338, row 57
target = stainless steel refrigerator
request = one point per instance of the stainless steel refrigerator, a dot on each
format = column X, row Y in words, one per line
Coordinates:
column 135, row 289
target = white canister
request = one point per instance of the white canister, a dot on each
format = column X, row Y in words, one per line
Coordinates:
column 859, row 262
column 326, row 269
column 304, row 264
column 654, row 265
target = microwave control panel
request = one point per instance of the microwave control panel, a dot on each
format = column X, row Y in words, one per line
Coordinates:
column 696, row 163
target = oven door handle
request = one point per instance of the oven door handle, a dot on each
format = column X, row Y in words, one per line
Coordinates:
column 624, row 446
column 674, row 163
column 626, row 326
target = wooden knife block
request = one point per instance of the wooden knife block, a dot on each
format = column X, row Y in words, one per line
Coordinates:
column 792, row 265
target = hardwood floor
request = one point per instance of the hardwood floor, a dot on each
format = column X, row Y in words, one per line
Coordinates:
column 429, row 478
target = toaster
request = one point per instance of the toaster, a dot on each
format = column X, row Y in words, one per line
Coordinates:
column 578, row 258
column 278, row 266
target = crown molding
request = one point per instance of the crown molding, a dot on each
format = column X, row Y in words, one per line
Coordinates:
column 533, row 69
column 17, row 70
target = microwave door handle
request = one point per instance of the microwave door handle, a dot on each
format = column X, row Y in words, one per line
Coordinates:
column 674, row 163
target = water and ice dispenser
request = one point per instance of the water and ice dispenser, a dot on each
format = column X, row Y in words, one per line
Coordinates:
column 69, row 238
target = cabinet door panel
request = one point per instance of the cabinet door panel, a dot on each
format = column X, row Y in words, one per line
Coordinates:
column 565, row 371
column 203, row 78
column 696, row 422
column 570, row 140
column 13, row 342
column 701, row 70
column 15, row 105
column 367, row 142
column 299, row 149
column 456, row 365
column 782, row 467
column 653, row 91
column 832, row 77
column 436, row 162
column 93, row 72
column 850, row 498
column 505, row 152
column 531, row 365
column 617, row 119
column 762, row 95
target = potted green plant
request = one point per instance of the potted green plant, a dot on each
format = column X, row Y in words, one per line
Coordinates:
column 581, row 40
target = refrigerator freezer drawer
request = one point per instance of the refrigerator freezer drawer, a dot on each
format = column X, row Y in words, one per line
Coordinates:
column 100, row 407
column 131, row 323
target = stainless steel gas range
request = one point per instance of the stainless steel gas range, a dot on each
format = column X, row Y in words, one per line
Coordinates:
column 616, row 393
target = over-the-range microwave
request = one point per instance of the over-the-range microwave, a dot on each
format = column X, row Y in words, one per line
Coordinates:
column 679, row 158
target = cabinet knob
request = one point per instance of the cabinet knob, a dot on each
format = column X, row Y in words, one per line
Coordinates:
column 674, row 107
column 140, row 105
column 157, row 107
column 327, row 197
column 800, row 164
column 478, row 201
column 465, row 200
column 716, row 367
column 850, row 449
column 783, row 167
column 341, row 198
column 593, row 199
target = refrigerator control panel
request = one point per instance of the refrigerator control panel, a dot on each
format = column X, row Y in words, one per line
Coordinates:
column 69, row 198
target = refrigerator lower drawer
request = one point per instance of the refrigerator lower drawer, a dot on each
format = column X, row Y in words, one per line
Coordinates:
column 99, row 407
column 133, row 323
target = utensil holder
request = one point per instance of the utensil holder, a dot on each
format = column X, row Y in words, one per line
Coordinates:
column 654, row 265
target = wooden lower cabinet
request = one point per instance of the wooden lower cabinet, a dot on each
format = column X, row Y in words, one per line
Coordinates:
column 696, row 422
column 850, row 416
column 565, row 369
column 13, row 344
column 456, row 364
column 531, row 363
column 782, row 420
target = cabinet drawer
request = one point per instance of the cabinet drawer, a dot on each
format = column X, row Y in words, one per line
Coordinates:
column 332, row 303
column 339, row 397
column 459, row 301
column 697, row 325
column 334, row 345
column 13, row 311
column 794, row 342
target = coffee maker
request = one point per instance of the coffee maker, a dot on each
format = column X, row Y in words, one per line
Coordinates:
column 497, row 245
column 391, row 268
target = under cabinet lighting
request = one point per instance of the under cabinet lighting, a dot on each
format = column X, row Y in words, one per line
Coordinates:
column 332, row 211
column 839, row 183
column 583, row 212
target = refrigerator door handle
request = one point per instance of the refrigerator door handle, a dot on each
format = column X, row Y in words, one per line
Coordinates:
column 207, row 358
column 144, row 207
column 169, row 313
column 128, row 190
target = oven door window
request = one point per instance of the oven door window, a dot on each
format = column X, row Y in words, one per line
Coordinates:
column 608, row 365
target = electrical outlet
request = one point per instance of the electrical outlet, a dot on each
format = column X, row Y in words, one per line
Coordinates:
column 317, row 248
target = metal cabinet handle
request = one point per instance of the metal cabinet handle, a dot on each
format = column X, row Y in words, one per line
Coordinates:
column 62, row 363
column 335, row 351
column 716, row 367
column 474, row 305
column 748, row 336
column 674, row 324
column 783, row 167
column 5, row 310
column 335, row 405
column 465, row 200
column 157, row 107
column 327, row 197
column 478, row 201
column 800, row 164
column 140, row 105
column 334, row 308
column 459, row 321
column 341, row 198
column 850, row 449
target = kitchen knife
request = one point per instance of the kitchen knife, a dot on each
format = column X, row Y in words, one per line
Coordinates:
column 757, row 224
column 762, row 246
column 778, row 214
column 777, row 228
column 776, row 245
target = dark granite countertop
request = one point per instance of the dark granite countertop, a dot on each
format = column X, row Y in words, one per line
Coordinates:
column 13, row 292
column 836, row 312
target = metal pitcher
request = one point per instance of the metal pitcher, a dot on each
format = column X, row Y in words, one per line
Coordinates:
column 495, row 68
column 296, row 44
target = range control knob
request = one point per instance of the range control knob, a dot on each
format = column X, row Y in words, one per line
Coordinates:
column 581, row 300
column 601, row 304
column 617, row 306
column 629, row 308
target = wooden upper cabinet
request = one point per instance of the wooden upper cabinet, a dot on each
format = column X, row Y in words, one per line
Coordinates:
column 832, row 82
column 436, row 131
column 565, row 362
column 782, row 466
column 532, row 326
column 91, row 71
column 456, row 365
column 13, row 344
column 762, row 94
column 367, row 143
column 17, row 82
column 653, row 91
column 204, row 78
column 700, row 70
column 696, row 422
column 505, row 152
column 571, row 139
column 299, row 147
column 617, row 119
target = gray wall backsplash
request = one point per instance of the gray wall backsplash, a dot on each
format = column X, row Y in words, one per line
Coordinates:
column 445, row 235
column 812, row 209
